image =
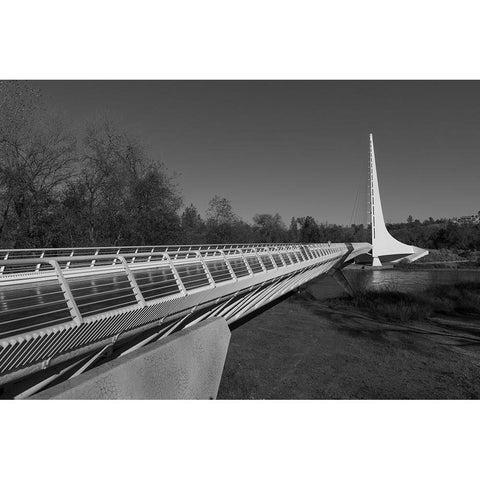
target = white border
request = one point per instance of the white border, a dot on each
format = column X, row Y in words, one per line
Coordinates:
column 191, row 39
column 240, row 40
column 240, row 440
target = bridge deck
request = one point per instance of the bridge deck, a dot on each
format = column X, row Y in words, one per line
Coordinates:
column 62, row 302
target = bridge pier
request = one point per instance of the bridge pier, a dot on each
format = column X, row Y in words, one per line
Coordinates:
column 342, row 280
column 184, row 365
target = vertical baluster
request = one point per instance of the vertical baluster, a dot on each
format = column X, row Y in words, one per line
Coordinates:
column 92, row 263
column 133, row 283
column 67, row 266
column 176, row 275
column 2, row 268
column 37, row 268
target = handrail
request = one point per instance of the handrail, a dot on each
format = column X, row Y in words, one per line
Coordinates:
column 71, row 258
column 172, row 259
column 164, row 248
column 83, row 300
column 187, row 257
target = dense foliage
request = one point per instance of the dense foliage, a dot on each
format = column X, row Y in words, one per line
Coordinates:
column 99, row 187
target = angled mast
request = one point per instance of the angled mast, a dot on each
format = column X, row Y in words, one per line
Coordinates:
column 385, row 248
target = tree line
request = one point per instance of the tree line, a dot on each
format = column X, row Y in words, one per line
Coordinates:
column 98, row 186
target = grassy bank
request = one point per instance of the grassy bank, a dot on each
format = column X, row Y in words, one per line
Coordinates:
column 304, row 348
column 444, row 258
column 460, row 299
column 447, row 265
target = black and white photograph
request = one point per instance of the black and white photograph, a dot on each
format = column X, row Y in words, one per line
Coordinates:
column 202, row 239
column 300, row 247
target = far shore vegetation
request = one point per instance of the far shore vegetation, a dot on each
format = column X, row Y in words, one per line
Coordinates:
column 452, row 259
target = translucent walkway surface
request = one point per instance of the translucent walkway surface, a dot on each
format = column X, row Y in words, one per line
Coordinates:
column 61, row 304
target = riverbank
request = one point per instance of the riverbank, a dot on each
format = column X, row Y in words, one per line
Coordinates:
column 457, row 265
column 307, row 347
column 443, row 259
column 457, row 300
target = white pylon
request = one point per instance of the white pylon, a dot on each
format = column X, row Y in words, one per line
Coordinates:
column 384, row 246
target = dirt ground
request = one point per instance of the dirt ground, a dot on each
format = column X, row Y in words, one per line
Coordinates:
column 301, row 349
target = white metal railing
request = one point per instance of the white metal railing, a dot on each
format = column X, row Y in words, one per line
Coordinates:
column 52, row 304
column 146, row 254
column 14, row 254
column 20, row 272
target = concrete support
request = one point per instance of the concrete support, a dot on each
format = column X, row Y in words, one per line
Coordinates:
column 376, row 262
column 342, row 280
column 185, row 365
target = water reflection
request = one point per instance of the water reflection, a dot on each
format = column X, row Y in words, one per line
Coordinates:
column 404, row 281
column 407, row 281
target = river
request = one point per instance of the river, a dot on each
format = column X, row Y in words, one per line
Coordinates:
column 401, row 280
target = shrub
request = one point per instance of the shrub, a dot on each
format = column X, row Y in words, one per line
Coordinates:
column 457, row 299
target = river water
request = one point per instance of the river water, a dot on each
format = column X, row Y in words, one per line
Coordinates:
column 401, row 280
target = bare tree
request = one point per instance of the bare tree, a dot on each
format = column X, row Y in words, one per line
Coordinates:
column 36, row 157
column 128, row 197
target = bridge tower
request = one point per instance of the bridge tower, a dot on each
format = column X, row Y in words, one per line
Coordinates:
column 385, row 248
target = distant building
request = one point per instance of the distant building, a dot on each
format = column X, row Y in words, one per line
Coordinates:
column 468, row 219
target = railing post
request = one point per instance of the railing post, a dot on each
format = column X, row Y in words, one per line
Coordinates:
column 136, row 290
column 37, row 268
column 2, row 268
column 115, row 258
column 281, row 258
column 269, row 253
column 92, row 264
column 230, row 269
column 67, row 266
column 67, row 293
column 180, row 284
column 250, row 271
column 260, row 261
column 133, row 258
column 211, row 281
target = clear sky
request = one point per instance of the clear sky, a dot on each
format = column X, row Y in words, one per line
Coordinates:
column 300, row 147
